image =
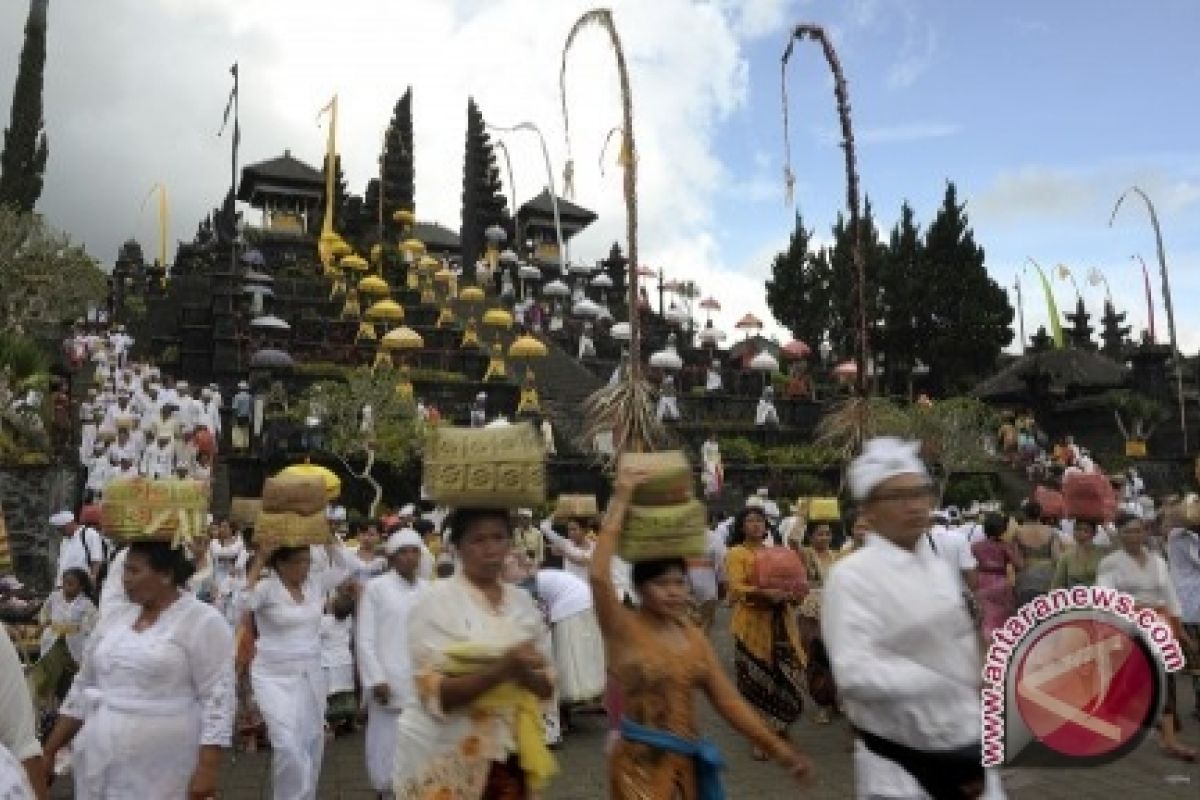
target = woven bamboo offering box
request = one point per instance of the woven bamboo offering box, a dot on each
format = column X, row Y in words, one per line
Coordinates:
column 576, row 506
column 293, row 512
column 244, row 511
column 823, row 509
column 144, row 510
column 503, row 467
column 665, row 520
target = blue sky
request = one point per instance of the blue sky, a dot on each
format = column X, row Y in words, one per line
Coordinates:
column 1041, row 113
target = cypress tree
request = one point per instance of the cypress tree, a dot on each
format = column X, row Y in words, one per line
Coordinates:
column 23, row 162
column 483, row 202
column 970, row 319
column 798, row 290
column 903, row 321
column 397, row 162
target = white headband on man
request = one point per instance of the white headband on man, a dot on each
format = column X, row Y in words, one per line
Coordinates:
column 405, row 537
column 882, row 459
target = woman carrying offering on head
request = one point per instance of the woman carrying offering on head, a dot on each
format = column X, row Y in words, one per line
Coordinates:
column 819, row 556
column 661, row 660
column 768, row 658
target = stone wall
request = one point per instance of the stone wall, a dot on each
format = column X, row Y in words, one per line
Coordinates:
column 30, row 494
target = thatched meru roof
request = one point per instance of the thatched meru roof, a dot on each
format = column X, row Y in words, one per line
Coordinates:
column 1069, row 372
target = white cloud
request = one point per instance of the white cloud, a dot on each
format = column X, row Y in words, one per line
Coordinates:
column 1055, row 194
column 916, row 54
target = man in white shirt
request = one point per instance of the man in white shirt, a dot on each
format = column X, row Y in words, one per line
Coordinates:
column 80, row 547
column 158, row 461
column 904, row 649
column 952, row 546
column 384, row 666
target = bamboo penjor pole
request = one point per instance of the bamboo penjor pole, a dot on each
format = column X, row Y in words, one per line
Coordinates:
column 858, row 259
column 1166, row 291
column 627, row 405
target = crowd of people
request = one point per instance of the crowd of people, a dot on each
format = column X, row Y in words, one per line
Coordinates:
column 470, row 640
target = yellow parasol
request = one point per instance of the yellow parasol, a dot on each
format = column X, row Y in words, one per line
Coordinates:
column 429, row 264
column 498, row 318
column 527, row 347
column 354, row 262
column 373, row 285
column 333, row 484
column 385, row 311
column 402, row 338
column 404, row 217
column 443, row 275
column 341, row 249
column 471, row 294
column 413, row 247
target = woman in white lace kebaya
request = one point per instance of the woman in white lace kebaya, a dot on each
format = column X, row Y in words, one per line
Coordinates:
column 155, row 695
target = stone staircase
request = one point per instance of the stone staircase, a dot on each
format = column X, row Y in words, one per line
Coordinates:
column 563, row 384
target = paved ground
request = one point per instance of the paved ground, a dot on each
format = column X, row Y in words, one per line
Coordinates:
column 1143, row 775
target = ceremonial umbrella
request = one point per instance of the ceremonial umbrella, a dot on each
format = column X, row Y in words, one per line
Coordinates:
column 586, row 308
column 711, row 335
column 498, row 318
column 764, row 362
column 602, row 281
column 796, row 349
column 621, row 331
column 254, row 276
column 846, row 369
column 471, row 294
column 412, row 249
column 710, row 304
column 270, row 322
column 385, row 311
column 556, row 288
column 402, row 338
column 667, row 358
column 373, row 285
column 271, row 359
column 403, row 216
column 749, row 322
column 527, row 347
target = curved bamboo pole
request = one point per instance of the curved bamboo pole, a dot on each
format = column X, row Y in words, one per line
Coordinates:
column 624, row 409
column 603, row 18
column 529, row 126
column 817, row 34
column 1166, row 291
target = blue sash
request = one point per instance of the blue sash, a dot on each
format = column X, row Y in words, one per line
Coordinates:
column 704, row 754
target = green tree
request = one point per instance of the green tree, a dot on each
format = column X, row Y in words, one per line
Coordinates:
column 483, row 202
column 393, row 435
column 44, row 278
column 798, row 289
column 969, row 316
column 843, row 316
column 902, row 318
column 397, row 162
column 23, row 162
